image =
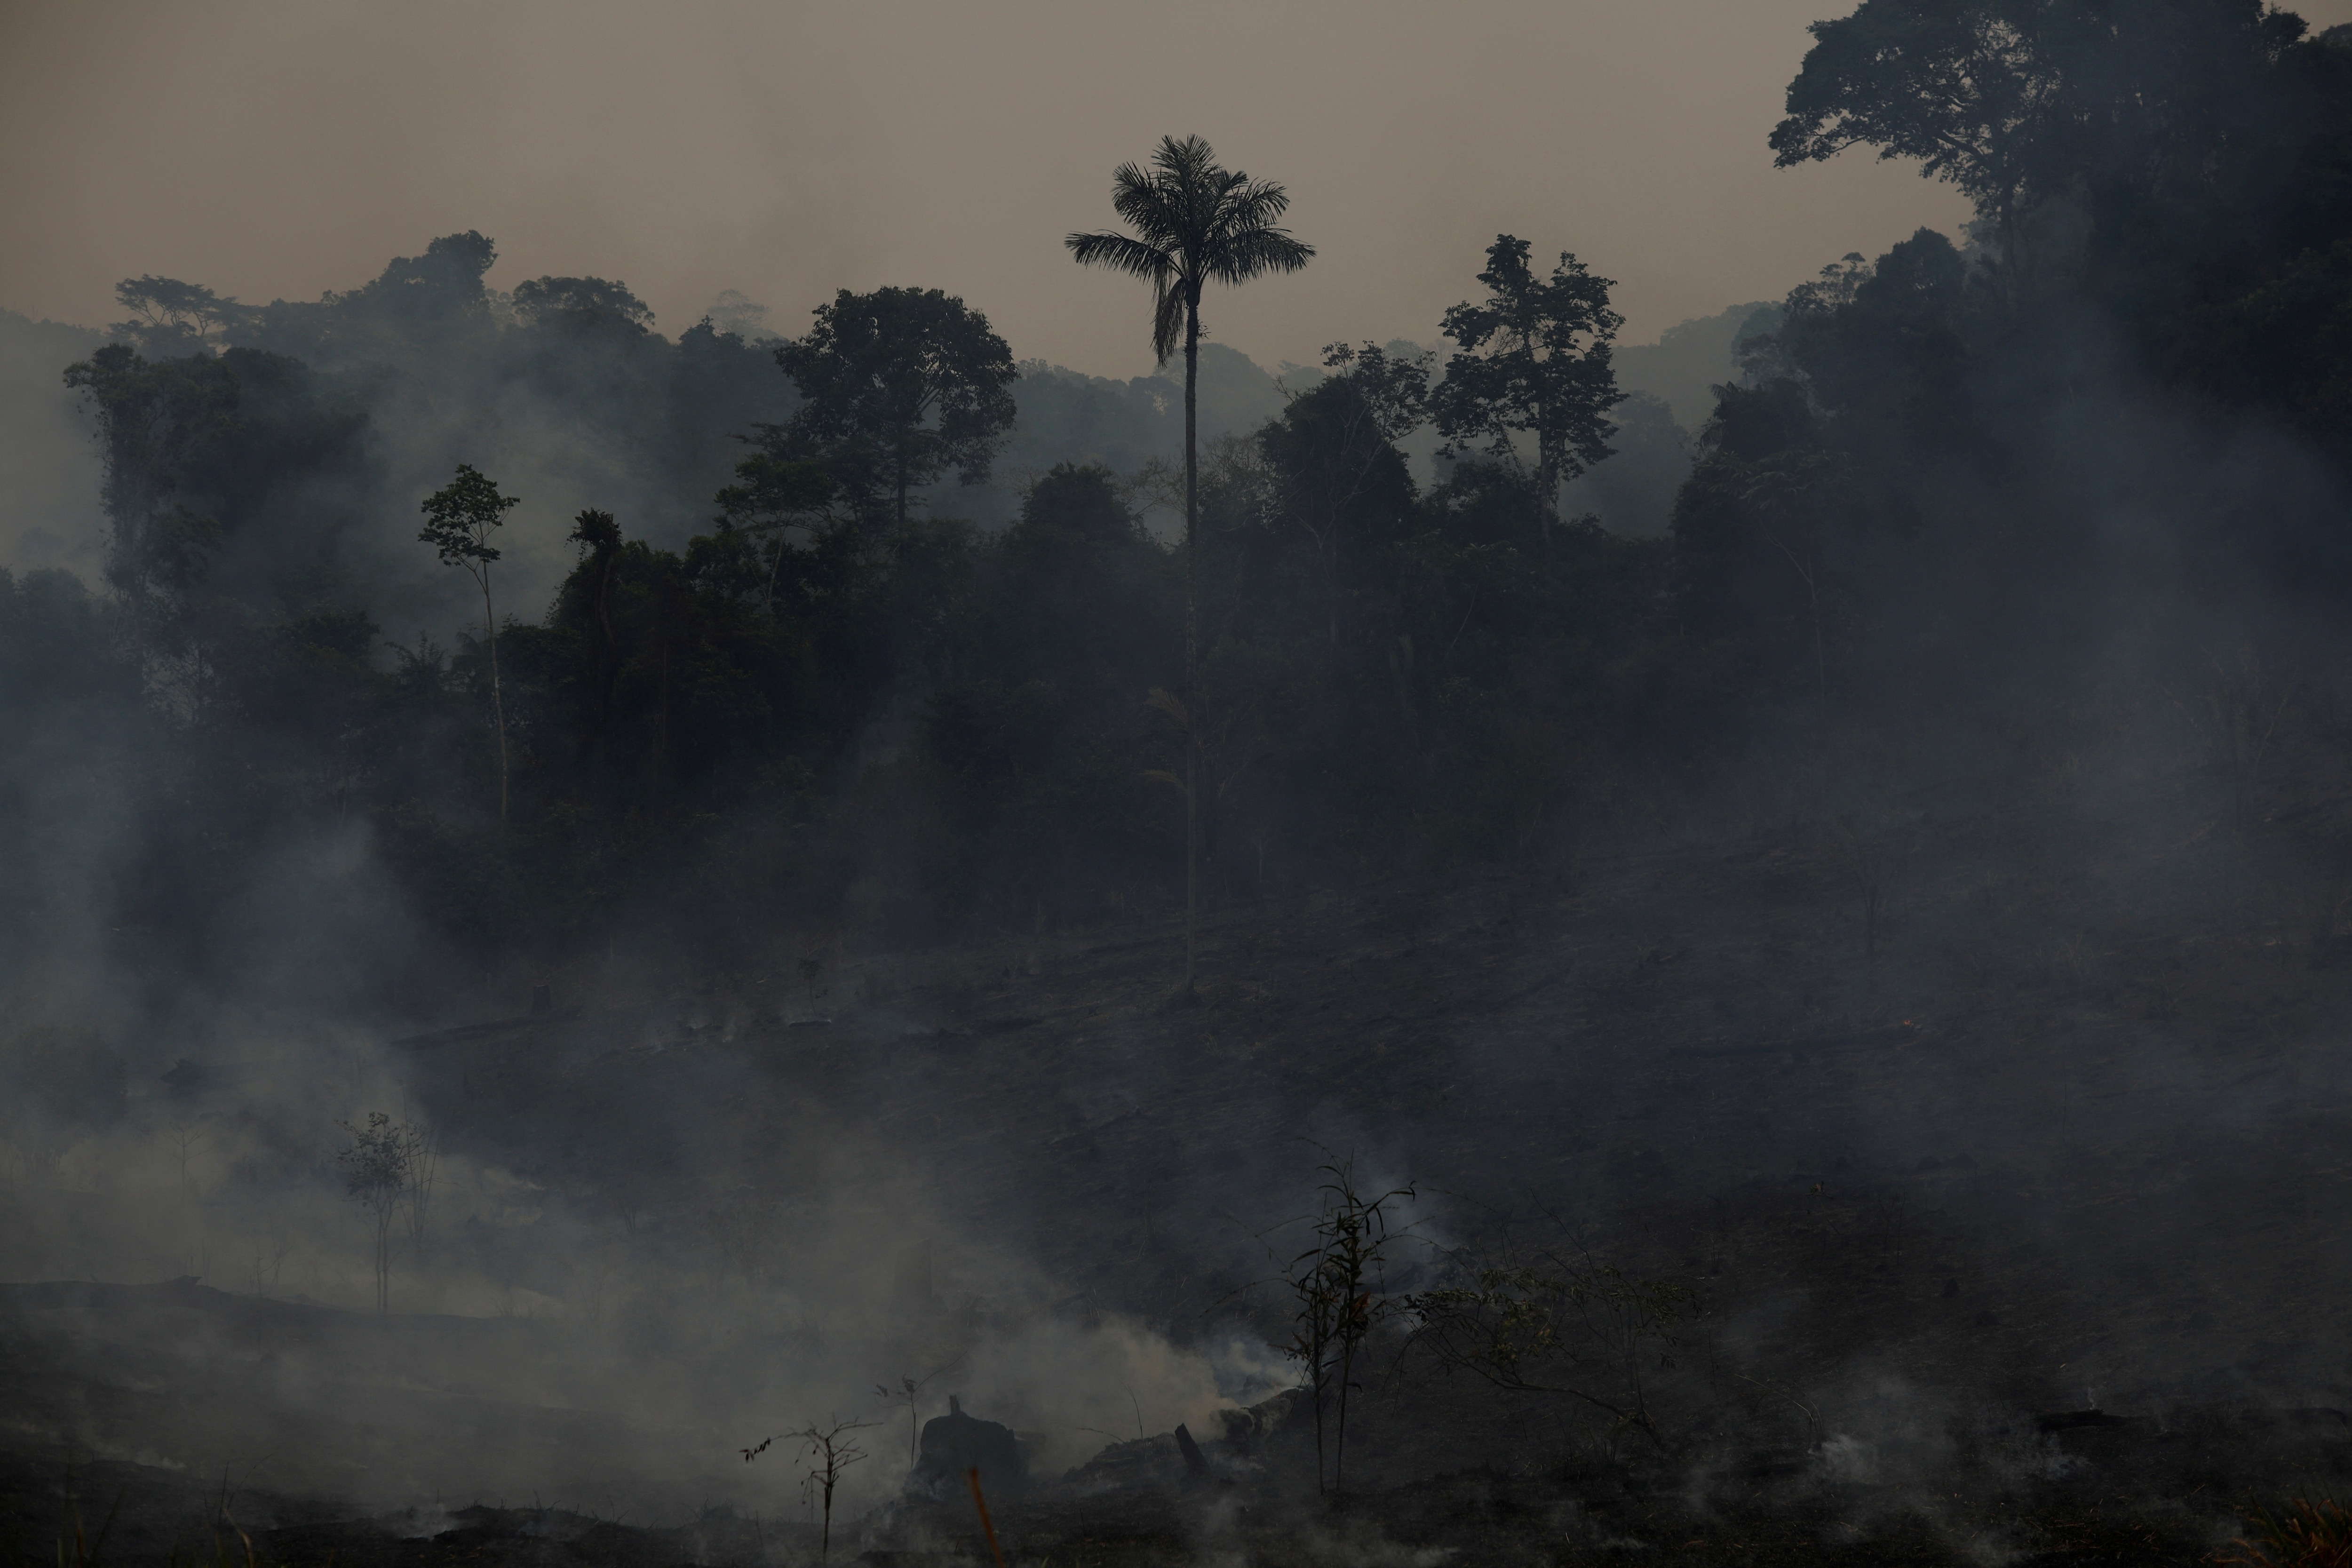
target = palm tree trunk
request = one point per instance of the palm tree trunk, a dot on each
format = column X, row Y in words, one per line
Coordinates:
column 1191, row 631
column 498, row 698
column 1547, row 476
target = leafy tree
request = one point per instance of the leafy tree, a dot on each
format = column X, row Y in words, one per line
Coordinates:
column 377, row 1176
column 1865, row 330
column 1533, row 359
column 654, row 675
column 460, row 519
column 581, row 304
column 1195, row 222
column 171, row 319
column 1964, row 87
column 902, row 385
column 771, row 497
column 2018, row 102
column 1334, row 451
column 430, row 291
column 154, row 422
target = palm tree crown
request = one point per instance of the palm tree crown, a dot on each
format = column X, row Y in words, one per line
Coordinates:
column 1194, row 223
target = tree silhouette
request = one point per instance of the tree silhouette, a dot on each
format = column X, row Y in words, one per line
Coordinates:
column 376, row 1175
column 458, row 517
column 156, row 421
column 826, row 1451
column 1535, row 359
column 1195, row 222
column 902, row 385
column 2021, row 102
column 172, row 318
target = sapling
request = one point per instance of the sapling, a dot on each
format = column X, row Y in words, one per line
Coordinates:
column 909, row 1389
column 376, row 1177
column 828, row 1450
column 459, row 520
column 187, row 1137
column 268, row 1261
column 422, row 1152
column 1338, row 1285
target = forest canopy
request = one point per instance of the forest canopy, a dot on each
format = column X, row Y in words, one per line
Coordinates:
column 867, row 629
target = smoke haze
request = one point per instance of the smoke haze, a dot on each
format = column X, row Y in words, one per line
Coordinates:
column 786, row 152
column 1816, row 918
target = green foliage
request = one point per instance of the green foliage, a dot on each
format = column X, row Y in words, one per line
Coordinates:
column 2026, row 103
column 581, row 304
column 1533, row 360
column 213, row 469
column 460, row 519
column 377, row 1164
column 171, row 319
column 156, row 423
column 1037, row 725
column 1915, row 504
column 899, row 387
column 1195, row 222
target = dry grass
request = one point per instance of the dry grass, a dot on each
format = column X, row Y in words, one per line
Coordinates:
column 2302, row 1534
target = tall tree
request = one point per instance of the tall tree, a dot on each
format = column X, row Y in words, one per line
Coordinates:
column 170, row 318
column 1195, row 222
column 2020, row 101
column 460, row 519
column 581, row 304
column 155, row 423
column 1534, row 359
column 772, row 496
column 1336, row 445
column 900, row 386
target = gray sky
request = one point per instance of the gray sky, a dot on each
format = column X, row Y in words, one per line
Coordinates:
column 283, row 147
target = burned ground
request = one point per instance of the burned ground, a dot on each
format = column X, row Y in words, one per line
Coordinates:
column 2065, row 1139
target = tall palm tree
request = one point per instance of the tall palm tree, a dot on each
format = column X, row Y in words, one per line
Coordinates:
column 1195, row 222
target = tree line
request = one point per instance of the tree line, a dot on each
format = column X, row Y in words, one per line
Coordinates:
column 1935, row 499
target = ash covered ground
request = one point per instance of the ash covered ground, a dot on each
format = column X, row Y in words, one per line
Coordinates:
column 2001, row 1213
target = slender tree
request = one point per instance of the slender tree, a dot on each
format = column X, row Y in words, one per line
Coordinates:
column 1339, row 1283
column 460, row 518
column 376, row 1175
column 826, row 1451
column 1195, row 222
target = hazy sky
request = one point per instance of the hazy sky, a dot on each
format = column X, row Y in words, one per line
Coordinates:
column 785, row 150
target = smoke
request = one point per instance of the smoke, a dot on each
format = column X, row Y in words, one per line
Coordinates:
column 613, row 1346
column 48, row 469
column 1901, row 1043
